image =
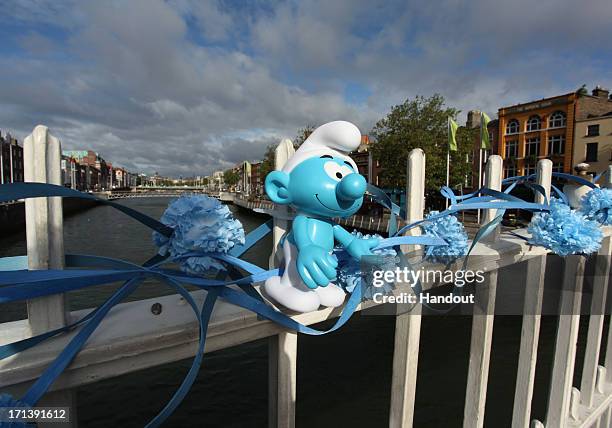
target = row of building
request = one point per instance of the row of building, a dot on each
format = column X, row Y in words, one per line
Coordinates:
column 11, row 159
column 83, row 170
column 568, row 129
column 251, row 176
column 87, row 170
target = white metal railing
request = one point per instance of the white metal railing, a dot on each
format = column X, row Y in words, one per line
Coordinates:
column 363, row 222
column 156, row 338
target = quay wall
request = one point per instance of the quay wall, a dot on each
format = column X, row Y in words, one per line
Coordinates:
column 12, row 215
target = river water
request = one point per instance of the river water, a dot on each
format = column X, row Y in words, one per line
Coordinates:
column 344, row 377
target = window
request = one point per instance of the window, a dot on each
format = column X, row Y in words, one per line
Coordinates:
column 512, row 127
column 509, row 171
column 557, row 120
column 534, row 123
column 592, row 130
column 591, row 152
column 557, row 167
column 532, row 146
column 530, row 169
column 511, row 149
column 556, row 144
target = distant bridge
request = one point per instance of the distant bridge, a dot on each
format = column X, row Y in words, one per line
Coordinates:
column 187, row 188
column 166, row 193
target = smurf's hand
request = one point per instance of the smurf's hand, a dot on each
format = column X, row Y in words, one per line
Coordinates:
column 362, row 247
column 316, row 266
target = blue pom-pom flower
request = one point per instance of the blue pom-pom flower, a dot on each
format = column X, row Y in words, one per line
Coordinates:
column 450, row 229
column 201, row 225
column 7, row 401
column 351, row 272
column 564, row 231
column 597, row 205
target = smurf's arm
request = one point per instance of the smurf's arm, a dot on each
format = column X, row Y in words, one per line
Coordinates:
column 314, row 263
column 355, row 246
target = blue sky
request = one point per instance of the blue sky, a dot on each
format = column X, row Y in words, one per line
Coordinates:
column 187, row 87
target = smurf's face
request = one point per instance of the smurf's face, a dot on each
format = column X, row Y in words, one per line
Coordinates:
column 324, row 186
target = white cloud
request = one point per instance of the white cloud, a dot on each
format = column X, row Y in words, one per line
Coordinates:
column 186, row 87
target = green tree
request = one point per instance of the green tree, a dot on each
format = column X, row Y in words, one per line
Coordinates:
column 420, row 123
column 267, row 164
column 231, row 177
column 460, row 161
column 302, row 134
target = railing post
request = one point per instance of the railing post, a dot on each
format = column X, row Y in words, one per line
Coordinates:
column 565, row 344
column 45, row 242
column 482, row 322
column 44, row 226
column 408, row 325
column 596, row 320
column 608, row 357
column 283, row 152
column 282, row 348
column 493, row 179
column 532, row 310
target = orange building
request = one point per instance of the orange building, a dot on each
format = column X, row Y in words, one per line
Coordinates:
column 545, row 129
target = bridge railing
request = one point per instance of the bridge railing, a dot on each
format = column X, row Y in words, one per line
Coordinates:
column 157, row 337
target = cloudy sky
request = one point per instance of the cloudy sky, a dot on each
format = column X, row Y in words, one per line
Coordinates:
column 187, row 87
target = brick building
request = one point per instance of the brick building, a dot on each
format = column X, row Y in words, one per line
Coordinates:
column 257, row 181
column 244, row 177
column 11, row 160
column 91, row 159
column 546, row 129
column 120, row 178
column 366, row 165
column 71, row 175
column 92, row 177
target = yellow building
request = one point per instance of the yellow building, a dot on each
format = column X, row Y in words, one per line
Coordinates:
column 546, row 129
column 535, row 130
column 593, row 142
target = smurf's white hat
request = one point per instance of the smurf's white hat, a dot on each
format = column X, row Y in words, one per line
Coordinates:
column 337, row 139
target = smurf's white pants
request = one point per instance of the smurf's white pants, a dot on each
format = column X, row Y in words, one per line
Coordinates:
column 290, row 291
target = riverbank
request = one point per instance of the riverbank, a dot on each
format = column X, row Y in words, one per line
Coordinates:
column 12, row 215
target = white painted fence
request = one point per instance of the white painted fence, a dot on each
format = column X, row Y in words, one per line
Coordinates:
column 155, row 339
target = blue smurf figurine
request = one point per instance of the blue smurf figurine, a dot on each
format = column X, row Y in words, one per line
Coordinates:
column 321, row 182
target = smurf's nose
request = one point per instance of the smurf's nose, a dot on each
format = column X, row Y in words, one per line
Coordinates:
column 351, row 187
